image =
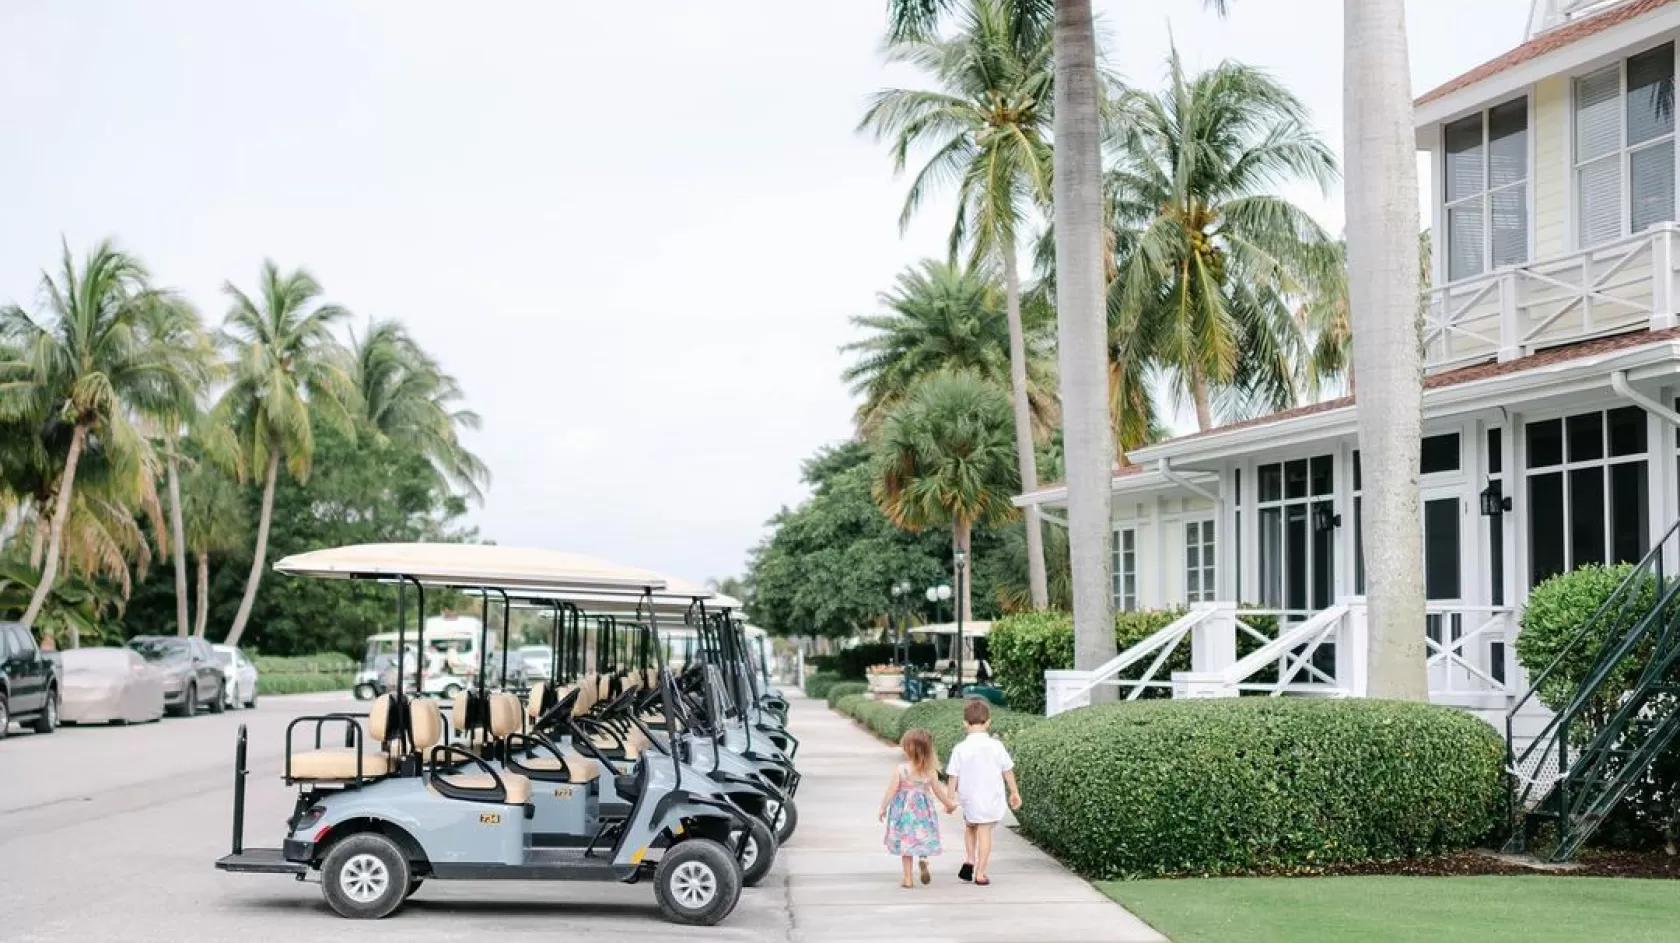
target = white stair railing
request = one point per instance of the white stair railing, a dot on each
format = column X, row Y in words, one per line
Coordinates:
column 1065, row 690
column 1291, row 651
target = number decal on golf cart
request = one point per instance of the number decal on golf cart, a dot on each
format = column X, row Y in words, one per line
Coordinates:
column 563, row 792
column 489, row 818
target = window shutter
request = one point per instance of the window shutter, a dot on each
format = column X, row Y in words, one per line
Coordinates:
column 1598, row 139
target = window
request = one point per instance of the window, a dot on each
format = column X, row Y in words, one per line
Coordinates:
column 1198, row 562
column 1296, row 559
column 1588, row 491
column 1486, row 190
column 1439, row 454
column 1624, row 131
column 1125, row 570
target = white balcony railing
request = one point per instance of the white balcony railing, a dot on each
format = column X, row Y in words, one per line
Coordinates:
column 1472, row 650
column 1624, row 285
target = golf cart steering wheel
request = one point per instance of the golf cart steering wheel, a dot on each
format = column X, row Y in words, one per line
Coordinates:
column 619, row 703
column 557, row 714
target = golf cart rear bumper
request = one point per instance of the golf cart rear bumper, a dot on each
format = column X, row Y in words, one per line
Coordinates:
column 261, row 861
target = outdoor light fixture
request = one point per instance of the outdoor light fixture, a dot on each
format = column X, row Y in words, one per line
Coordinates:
column 1494, row 502
column 938, row 593
column 1324, row 518
column 961, row 557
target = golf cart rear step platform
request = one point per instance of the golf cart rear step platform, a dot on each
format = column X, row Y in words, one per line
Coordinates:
column 260, row 861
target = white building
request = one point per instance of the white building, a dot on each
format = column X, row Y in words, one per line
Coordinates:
column 1553, row 364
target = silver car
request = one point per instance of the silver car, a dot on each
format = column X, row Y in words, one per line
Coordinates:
column 108, row 686
column 240, row 675
column 191, row 676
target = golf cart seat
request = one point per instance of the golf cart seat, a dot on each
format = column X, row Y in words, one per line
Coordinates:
column 578, row 769
column 345, row 764
column 426, row 725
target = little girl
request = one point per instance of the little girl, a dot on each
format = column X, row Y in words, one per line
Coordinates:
column 907, row 808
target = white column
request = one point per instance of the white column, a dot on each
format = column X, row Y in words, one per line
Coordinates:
column 1662, row 277
column 1213, row 643
column 1510, row 323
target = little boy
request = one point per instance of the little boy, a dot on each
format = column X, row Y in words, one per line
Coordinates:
column 980, row 767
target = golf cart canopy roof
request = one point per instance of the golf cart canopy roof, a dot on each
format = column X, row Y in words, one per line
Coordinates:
column 675, row 598
column 471, row 565
column 969, row 629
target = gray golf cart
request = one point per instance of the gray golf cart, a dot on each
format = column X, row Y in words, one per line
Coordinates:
column 398, row 803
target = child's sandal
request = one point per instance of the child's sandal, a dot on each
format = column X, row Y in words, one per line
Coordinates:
column 927, row 875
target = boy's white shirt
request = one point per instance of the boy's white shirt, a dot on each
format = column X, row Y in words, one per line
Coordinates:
column 979, row 763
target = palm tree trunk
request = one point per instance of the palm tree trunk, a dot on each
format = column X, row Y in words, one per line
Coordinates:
column 37, row 543
column 203, row 594
column 1037, row 582
column 177, row 531
column 1199, row 391
column 961, row 531
column 260, row 552
column 1082, row 331
column 1381, row 191
column 55, row 536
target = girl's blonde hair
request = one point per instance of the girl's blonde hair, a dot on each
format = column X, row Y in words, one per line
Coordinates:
column 918, row 749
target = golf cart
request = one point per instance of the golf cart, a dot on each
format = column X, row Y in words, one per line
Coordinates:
column 400, row 803
column 453, row 646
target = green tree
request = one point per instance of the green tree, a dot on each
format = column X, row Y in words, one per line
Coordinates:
column 406, row 397
column 1209, row 255
column 944, row 459
column 987, row 128
column 215, row 523
column 92, row 366
column 941, row 316
column 287, row 371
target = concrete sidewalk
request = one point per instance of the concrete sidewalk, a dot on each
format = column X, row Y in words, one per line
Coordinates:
column 843, row 886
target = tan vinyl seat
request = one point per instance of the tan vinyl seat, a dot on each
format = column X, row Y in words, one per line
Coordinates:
column 343, row 763
column 426, row 723
column 534, row 701
column 578, row 769
column 588, row 691
column 518, row 787
column 505, row 715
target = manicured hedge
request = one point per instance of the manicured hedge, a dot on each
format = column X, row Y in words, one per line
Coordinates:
column 817, row 685
column 851, row 663
column 881, row 718
column 944, row 720
column 302, row 683
column 845, row 689
column 319, row 663
column 1232, row 785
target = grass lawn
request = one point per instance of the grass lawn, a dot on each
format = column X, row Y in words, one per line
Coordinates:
column 1522, row 909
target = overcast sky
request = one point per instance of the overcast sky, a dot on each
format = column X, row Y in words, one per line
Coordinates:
column 635, row 232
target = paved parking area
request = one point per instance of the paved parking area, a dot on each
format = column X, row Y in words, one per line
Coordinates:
column 110, row 833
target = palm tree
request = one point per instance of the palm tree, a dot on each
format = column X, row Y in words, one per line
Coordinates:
column 407, row 399
column 215, row 522
column 175, row 326
column 944, row 458
column 988, row 129
column 1382, row 213
column 1209, row 255
column 287, row 372
column 91, row 367
column 1325, row 319
column 943, row 316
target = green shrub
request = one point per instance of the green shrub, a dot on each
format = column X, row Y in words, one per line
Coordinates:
column 817, row 685
column 850, row 663
column 319, row 663
column 1229, row 785
column 1554, row 615
column 303, row 683
column 845, row 689
column 943, row 719
column 881, row 718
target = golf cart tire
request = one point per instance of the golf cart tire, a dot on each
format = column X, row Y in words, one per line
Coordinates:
column 765, row 858
column 450, row 690
column 790, row 822
column 360, row 848
column 413, row 885
column 691, row 864
column 363, row 692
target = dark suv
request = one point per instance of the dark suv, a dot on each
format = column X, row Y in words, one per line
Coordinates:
column 28, row 681
column 192, row 676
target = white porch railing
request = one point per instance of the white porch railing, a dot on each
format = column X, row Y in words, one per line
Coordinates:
column 1291, row 654
column 1510, row 312
column 1065, row 690
column 1472, row 651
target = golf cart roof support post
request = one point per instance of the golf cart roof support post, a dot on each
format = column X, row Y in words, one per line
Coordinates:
column 483, row 638
column 507, row 617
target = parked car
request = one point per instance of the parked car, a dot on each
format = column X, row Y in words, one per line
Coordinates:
column 28, row 681
column 239, row 674
column 191, row 674
column 538, row 661
column 109, row 686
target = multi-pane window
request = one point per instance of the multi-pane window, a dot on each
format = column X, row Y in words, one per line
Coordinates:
column 1588, row 491
column 1198, row 562
column 1125, row 570
column 1297, row 553
column 1624, row 146
column 1486, row 190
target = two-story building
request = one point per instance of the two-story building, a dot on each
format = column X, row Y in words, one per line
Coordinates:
column 1553, row 368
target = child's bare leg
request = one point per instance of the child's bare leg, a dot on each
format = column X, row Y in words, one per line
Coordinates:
column 908, row 861
column 969, row 832
column 983, row 849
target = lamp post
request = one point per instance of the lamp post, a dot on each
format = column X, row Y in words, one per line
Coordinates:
column 901, row 599
column 937, row 595
column 961, row 557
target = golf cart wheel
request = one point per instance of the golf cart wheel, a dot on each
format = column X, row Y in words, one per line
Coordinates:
column 47, row 720
column 413, row 885
column 365, row 876
column 759, row 853
column 363, row 692
column 697, row 883
column 783, row 818
column 450, row 690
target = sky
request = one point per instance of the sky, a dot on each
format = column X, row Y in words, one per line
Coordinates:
column 635, row 232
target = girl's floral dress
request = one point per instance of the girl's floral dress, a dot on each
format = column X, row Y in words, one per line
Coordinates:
column 912, row 823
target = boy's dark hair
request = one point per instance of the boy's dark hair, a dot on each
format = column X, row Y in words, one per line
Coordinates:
column 976, row 712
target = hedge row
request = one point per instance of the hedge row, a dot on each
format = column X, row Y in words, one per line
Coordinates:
column 845, row 689
column 303, row 683
column 1198, row 787
column 881, row 718
column 851, row 663
column 941, row 718
column 1022, row 647
column 320, row 663
column 817, row 685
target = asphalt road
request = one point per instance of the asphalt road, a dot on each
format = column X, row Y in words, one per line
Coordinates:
column 111, row 833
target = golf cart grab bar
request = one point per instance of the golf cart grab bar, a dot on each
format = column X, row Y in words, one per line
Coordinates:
column 496, row 793
column 239, row 772
column 353, row 738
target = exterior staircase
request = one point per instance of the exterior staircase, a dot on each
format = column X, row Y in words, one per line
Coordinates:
column 1603, row 740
